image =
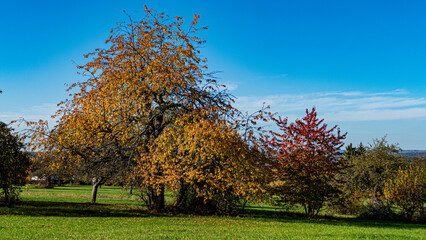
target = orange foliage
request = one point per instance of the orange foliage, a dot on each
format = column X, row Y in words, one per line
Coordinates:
column 150, row 112
column 207, row 154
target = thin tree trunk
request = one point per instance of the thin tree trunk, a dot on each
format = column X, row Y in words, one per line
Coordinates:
column 243, row 208
column 96, row 184
column 131, row 189
column 6, row 197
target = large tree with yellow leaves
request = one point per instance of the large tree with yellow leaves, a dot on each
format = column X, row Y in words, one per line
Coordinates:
column 151, row 112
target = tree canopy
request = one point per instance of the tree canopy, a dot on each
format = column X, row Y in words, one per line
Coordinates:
column 14, row 164
column 306, row 160
column 371, row 167
column 147, row 103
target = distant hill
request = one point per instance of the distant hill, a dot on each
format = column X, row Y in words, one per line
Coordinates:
column 413, row 153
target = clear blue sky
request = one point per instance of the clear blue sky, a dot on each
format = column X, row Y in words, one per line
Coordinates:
column 361, row 63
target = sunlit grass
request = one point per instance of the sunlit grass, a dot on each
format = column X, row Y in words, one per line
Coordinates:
column 82, row 193
column 73, row 219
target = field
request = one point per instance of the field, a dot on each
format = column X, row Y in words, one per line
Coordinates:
column 64, row 213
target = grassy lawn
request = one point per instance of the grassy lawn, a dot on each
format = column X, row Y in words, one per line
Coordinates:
column 63, row 213
column 79, row 193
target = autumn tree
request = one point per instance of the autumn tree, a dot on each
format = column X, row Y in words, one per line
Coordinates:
column 82, row 145
column 208, row 164
column 407, row 190
column 306, row 161
column 144, row 93
column 14, row 164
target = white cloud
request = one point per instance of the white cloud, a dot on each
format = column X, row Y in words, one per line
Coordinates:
column 231, row 86
column 34, row 113
column 333, row 106
column 342, row 106
column 376, row 114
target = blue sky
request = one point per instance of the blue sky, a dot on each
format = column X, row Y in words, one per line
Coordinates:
column 361, row 63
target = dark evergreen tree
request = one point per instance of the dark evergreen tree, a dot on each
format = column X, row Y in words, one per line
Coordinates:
column 14, row 164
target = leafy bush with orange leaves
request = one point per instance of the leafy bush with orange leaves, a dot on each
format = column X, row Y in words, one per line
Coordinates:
column 207, row 163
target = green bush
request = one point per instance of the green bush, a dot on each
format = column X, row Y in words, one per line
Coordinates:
column 378, row 209
column 349, row 203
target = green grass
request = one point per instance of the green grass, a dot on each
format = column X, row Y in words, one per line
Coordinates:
column 58, row 215
column 79, row 193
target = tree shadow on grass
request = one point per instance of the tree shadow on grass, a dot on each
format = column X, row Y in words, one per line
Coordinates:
column 287, row 216
column 72, row 209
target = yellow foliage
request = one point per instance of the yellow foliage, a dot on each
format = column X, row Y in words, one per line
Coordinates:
column 149, row 112
column 407, row 190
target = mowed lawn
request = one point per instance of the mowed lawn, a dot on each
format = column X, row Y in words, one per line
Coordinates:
column 64, row 213
column 79, row 193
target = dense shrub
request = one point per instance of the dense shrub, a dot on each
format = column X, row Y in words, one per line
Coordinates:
column 349, row 203
column 221, row 203
column 379, row 209
column 407, row 191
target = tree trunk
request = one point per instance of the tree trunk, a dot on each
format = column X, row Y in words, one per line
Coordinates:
column 306, row 209
column 48, row 183
column 243, row 206
column 160, row 203
column 96, row 183
column 182, row 194
column 131, row 189
column 156, row 199
column 6, row 196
